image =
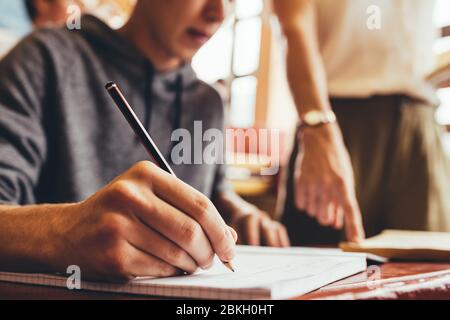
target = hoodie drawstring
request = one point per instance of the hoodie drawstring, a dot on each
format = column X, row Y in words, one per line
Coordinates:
column 176, row 110
column 175, row 114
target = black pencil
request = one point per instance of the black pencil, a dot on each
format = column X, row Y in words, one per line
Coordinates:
column 137, row 126
column 142, row 134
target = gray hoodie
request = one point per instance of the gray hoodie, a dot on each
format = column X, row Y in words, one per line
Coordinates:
column 62, row 138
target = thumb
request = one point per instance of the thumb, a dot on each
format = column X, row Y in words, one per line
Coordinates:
column 233, row 233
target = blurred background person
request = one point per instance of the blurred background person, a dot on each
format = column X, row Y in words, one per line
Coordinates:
column 19, row 17
column 366, row 61
column 48, row 13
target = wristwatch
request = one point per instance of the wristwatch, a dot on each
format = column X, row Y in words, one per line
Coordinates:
column 316, row 118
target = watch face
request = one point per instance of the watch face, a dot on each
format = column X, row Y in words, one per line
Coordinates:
column 316, row 118
column 313, row 118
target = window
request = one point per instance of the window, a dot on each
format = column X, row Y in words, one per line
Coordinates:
column 233, row 55
column 213, row 61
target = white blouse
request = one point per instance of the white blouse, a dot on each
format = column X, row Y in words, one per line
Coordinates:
column 377, row 47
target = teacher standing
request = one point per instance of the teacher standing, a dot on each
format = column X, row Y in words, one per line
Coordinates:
column 368, row 155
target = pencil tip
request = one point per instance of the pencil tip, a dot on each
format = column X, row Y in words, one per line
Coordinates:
column 229, row 266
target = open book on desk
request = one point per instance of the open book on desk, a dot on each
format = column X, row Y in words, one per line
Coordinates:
column 261, row 273
column 406, row 245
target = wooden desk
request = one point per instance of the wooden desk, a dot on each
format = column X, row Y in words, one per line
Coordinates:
column 388, row 271
column 394, row 277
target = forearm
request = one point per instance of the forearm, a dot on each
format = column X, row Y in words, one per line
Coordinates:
column 27, row 237
column 305, row 69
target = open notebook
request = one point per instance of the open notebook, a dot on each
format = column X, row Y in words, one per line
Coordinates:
column 406, row 245
column 261, row 273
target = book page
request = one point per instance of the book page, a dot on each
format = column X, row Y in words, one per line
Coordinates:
column 394, row 239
